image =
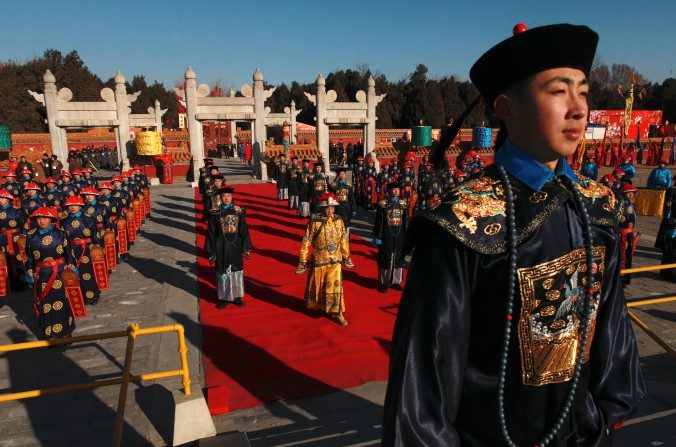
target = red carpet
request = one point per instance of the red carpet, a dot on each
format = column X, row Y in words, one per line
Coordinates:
column 272, row 349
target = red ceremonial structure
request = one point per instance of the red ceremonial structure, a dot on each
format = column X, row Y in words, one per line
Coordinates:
column 641, row 120
column 273, row 349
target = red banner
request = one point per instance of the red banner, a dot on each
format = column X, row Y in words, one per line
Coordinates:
column 122, row 236
column 99, row 265
column 640, row 119
column 131, row 226
column 4, row 275
column 73, row 292
column 109, row 244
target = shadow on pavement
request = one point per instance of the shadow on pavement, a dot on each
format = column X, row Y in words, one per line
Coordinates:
column 339, row 419
column 161, row 272
column 79, row 418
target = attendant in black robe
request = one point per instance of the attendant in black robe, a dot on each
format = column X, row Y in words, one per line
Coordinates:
column 345, row 198
column 318, row 186
column 666, row 236
column 357, row 170
column 205, row 180
column 305, row 191
column 212, row 197
column 513, row 327
column 389, row 229
column 227, row 243
column 294, row 183
column 282, row 178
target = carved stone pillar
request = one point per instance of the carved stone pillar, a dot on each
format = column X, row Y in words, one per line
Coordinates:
column 372, row 100
column 158, row 117
column 322, row 127
column 292, row 120
column 51, row 104
column 194, row 127
column 233, row 137
column 259, row 131
column 123, row 134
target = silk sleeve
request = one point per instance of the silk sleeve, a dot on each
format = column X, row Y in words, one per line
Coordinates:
column 344, row 242
column 245, row 236
column 305, row 245
column 429, row 345
column 616, row 381
column 210, row 242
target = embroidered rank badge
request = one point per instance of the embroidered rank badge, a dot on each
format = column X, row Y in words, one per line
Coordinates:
column 550, row 323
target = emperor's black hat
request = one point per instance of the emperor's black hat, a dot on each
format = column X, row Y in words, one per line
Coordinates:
column 226, row 190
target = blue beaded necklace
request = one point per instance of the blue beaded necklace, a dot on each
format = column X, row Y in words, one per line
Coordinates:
column 511, row 288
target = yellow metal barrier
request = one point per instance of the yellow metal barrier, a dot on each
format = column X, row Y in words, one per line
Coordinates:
column 649, row 301
column 131, row 333
column 650, row 268
column 651, row 334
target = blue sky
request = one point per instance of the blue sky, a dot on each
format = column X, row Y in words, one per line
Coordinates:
column 297, row 39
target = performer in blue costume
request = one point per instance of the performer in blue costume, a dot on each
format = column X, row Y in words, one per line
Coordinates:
column 47, row 254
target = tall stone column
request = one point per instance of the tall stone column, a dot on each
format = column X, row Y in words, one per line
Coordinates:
column 233, row 127
column 372, row 100
column 64, row 144
column 370, row 128
column 158, row 117
column 259, row 130
column 123, row 134
column 233, row 137
column 322, row 127
column 194, row 127
column 293, row 123
column 51, row 104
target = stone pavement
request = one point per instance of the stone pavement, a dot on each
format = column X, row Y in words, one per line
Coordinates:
column 156, row 286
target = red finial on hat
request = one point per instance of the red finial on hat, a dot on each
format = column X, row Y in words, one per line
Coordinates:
column 519, row 28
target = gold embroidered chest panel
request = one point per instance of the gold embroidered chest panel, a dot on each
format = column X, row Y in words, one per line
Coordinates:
column 550, row 322
column 229, row 223
column 320, row 184
column 394, row 216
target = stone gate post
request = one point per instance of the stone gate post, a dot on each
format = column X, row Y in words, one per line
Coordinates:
column 322, row 127
column 58, row 148
column 158, row 117
column 259, row 130
column 293, row 123
column 123, row 134
column 194, row 127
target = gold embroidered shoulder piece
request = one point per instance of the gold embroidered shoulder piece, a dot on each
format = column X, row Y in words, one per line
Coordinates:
column 475, row 211
column 601, row 202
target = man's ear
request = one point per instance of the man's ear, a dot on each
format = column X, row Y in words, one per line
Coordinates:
column 504, row 108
